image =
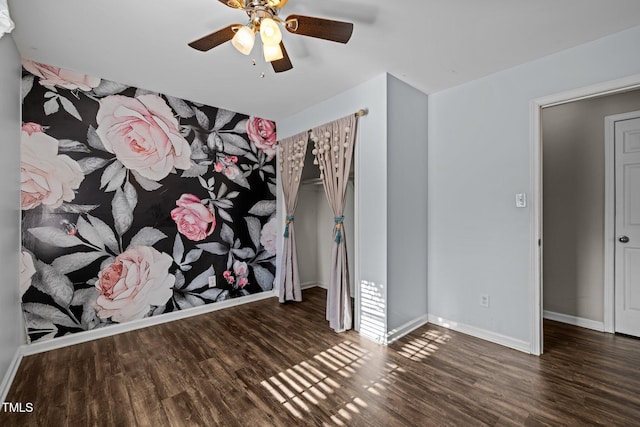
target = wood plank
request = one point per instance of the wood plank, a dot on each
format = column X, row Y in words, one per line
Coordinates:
column 280, row 365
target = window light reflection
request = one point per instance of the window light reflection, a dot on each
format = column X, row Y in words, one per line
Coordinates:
column 309, row 383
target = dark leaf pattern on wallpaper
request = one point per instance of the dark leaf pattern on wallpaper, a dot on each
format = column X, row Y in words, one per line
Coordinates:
column 105, row 233
column 55, row 237
column 263, row 208
column 184, row 261
column 26, row 85
column 136, row 203
column 75, row 261
column 106, row 88
column 94, row 140
column 54, row 283
column 181, row 108
column 55, row 100
column 68, row 145
column 78, row 209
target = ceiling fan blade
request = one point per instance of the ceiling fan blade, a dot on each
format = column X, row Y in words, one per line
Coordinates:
column 283, row 64
column 214, row 39
column 327, row 29
column 236, row 4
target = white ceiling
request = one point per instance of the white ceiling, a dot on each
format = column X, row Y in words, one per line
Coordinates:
column 143, row 43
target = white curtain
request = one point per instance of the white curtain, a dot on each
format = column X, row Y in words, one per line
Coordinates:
column 292, row 152
column 333, row 151
column 6, row 24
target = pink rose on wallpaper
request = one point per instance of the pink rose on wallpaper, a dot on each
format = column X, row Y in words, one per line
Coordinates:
column 243, row 282
column 32, row 128
column 232, row 171
column 46, row 177
column 27, row 270
column 55, row 76
column 228, row 167
column 230, row 278
column 241, row 270
column 137, row 279
column 143, row 134
column 262, row 133
column 194, row 220
column 269, row 236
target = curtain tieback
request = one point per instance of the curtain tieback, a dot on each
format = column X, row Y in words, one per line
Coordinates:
column 288, row 221
column 338, row 221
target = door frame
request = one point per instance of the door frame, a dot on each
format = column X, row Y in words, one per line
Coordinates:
column 536, row 226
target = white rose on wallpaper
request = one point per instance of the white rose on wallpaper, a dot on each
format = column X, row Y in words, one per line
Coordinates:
column 269, row 236
column 143, row 134
column 46, row 177
column 27, row 270
column 240, row 268
column 137, row 279
column 55, row 76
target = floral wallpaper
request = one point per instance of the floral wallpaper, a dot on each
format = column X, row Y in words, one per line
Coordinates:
column 136, row 204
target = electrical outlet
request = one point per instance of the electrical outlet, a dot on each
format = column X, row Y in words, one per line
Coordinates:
column 212, row 281
column 484, row 300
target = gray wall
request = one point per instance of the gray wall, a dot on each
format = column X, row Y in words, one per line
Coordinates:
column 406, row 203
column 11, row 331
column 573, row 191
column 306, row 220
column 314, row 233
column 479, row 158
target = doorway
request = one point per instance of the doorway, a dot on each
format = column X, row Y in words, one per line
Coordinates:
column 576, row 207
column 576, row 301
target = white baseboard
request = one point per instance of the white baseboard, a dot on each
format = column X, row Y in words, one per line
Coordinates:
column 493, row 337
column 406, row 328
column 10, row 375
column 574, row 320
column 80, row 337
column 309, row 285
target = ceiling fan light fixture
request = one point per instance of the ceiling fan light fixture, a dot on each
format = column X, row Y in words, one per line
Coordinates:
column 270, row 32
column 272, row 53
column 243, row 40
column 276, row 3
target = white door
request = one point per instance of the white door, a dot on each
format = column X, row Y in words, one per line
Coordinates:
column 627, row 227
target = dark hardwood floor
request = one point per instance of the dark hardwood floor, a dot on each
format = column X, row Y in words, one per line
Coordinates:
column 266, row 364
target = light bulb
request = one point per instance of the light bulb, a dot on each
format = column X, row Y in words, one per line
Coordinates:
column 243, row 40
column 272, row 53
column 270, row 32
column 276, row 3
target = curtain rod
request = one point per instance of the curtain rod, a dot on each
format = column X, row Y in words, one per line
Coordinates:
column 361, row 112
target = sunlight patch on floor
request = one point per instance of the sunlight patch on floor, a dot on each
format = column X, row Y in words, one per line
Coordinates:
column 427, row 344
column 309, row 384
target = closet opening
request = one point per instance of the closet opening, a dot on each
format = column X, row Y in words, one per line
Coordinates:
column 314, row 229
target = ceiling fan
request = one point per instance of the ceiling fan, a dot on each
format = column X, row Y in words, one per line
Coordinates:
column 263, row 19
